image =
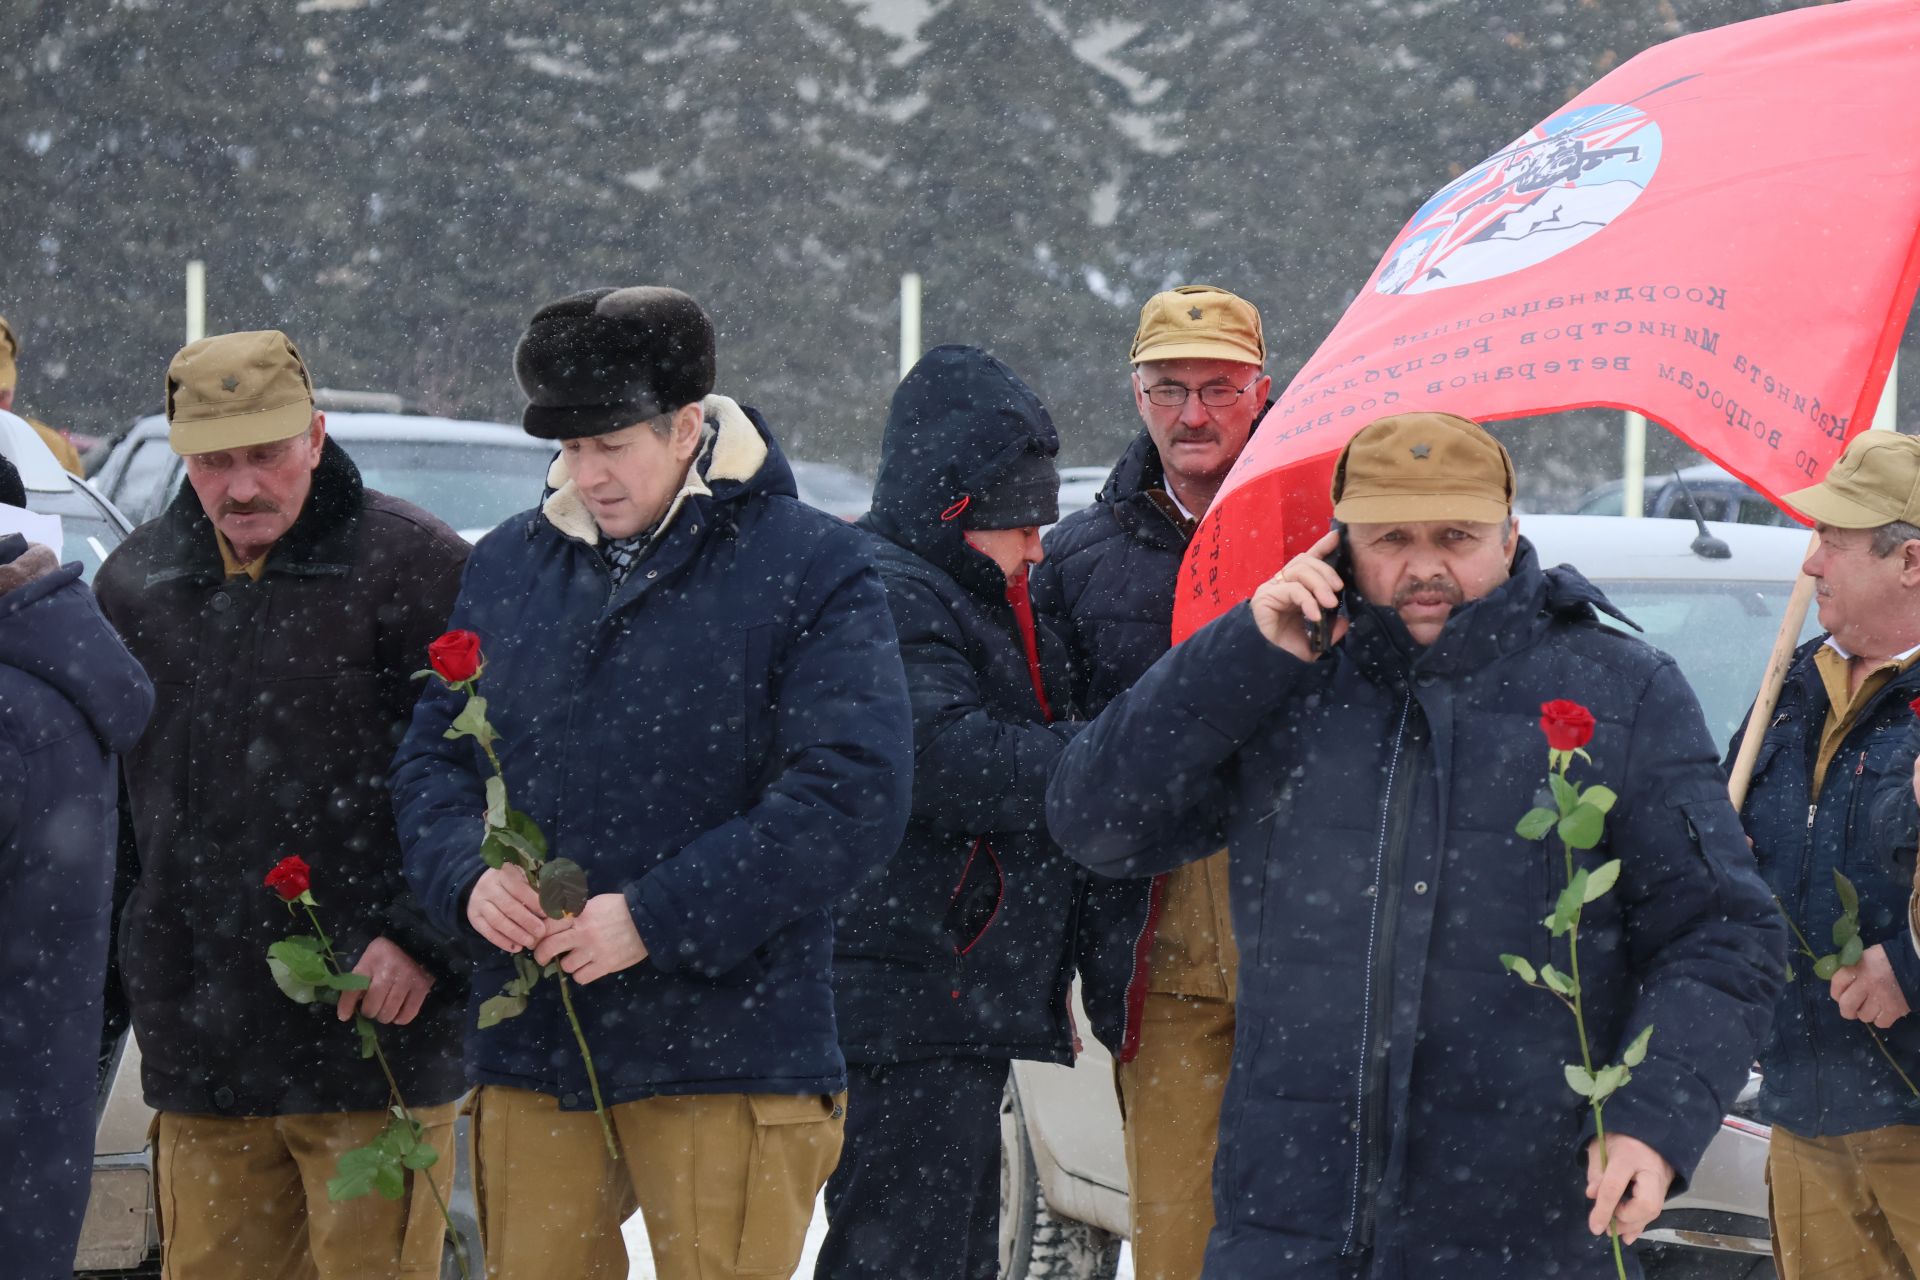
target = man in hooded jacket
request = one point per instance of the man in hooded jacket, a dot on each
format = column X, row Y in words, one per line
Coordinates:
column 955, row 956
column 71, row 697
column 699, row 700
column 1398, row 1105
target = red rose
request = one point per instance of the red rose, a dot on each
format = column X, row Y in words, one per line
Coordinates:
column 455, row 656
column 1568, row 725
column 289, row 878
column 1914, row 706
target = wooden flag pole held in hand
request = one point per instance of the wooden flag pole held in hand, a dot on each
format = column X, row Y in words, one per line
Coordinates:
column 1769, row 696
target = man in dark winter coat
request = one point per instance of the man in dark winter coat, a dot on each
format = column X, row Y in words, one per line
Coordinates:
column 70, row 697
column 700, row 701
column 1107, row 583
column 1842, row 1166
column 281, row 609
column 1397, row 1106
column 956, row 956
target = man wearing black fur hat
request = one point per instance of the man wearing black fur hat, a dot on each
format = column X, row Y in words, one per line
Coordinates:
column 700, row 701
column 955, row 957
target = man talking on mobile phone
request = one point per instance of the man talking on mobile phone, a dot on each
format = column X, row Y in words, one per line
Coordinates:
column 1396, row 1105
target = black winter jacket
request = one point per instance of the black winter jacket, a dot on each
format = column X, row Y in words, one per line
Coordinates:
column 1397, row 1107
column 1822, row 1074
column 724, row 740
column 962, row 942
column 280, row 703
column 70, row 697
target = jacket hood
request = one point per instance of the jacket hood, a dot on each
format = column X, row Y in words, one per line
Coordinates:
column 738, row 457
column 51, row 629
column 958, row 421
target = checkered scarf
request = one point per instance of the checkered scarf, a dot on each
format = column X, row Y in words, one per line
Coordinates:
column 624, row 553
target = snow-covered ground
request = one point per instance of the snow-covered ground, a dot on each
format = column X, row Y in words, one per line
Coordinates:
column 642, row 1256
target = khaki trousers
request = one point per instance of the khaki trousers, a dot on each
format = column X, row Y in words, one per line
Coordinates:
column 245, row 1198
column 725, row 1182
column 1170, row 1093
column 1846, row 1208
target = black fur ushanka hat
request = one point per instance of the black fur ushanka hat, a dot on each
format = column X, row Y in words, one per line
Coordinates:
column 604, row 359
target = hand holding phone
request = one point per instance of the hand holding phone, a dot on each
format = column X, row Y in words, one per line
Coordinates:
column 1298, row 608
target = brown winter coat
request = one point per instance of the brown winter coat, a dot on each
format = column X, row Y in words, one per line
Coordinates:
column 280, row 703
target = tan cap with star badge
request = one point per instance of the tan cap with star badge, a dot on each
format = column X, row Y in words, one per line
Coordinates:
column 1199, row 322
column 235, row 390
column 1875, row 482
column 1423, row 466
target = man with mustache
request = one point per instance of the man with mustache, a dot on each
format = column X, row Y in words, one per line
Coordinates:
column 1397, row 1104
column 1107, row 586
column 1846, row 1130
column 281, row 608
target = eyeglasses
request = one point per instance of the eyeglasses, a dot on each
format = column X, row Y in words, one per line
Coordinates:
column 1215, row 395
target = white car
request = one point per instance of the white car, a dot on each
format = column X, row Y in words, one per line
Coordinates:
column 90, row 526
column 1064, row 1172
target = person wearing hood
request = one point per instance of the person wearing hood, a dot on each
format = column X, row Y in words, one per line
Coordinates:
column 281, row 608
column 71, row 699
column 699, row 699
column 955, row 957
column 1107, row 584
column 1398, row 1104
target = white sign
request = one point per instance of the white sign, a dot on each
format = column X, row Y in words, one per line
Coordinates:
column 38, row 528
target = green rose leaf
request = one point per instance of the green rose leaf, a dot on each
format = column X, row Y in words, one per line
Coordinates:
column 529, row 831
column 1565, row 794
column 1520, row 965
column 1851, row 953
column 1849, row 896
column 472, row 722
column 519, row 848
column 1579, row 1079
column 1557, row 982
column 1600, row 880
column 1826, row 966
column 496, row 801
column 1566, row 911
column 369, row 1042
column 1583, row 828
column 390, row 1180
column 1607, row 1081
column 1637, row 1051
column 421, row 1156
column 563, row 888
column 1601, row 798
column 295, row 990
column 499, row 1009
column 349, row 981
column 494, row 851
column 1845, row 930
column 1536, row 824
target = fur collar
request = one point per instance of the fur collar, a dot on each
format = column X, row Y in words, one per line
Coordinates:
column 35, row 562
column 732, row 451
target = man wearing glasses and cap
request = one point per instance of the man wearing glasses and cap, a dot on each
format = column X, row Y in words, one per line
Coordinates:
column 1107, row 585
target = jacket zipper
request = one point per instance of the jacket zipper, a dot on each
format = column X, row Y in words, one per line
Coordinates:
column 1370, row 1144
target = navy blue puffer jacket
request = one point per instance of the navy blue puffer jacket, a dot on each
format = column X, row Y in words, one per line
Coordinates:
column 1823, row 1075
column 725, row 740
column 71, row 696
column 1396, row 1107
column 962, row 942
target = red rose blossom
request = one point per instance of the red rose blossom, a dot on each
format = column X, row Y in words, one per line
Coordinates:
column 455, row 656
column 1914, row 706
column 1568, row 725
column 290, row 878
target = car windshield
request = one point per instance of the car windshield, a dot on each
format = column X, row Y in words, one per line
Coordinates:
column 1719, row 632
column 468, row 484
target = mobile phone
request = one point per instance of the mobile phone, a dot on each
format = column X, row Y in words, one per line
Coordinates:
column 1319, row 630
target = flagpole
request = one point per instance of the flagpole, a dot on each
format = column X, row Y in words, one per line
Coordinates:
column 1741, row 775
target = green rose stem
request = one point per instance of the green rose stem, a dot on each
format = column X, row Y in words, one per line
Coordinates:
column 566, row 997
column 1586, row 1049
column 365, row 1027
column 1806, row 949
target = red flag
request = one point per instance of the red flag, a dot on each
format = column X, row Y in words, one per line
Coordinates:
column 1721, row 234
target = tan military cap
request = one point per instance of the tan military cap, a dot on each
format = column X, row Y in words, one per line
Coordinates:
column 9, row 352
column 1423, row 466
column 235, row 390
column 1199, row 322
column 1875, row 481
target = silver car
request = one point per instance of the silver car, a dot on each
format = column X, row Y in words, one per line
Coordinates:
column 1064, row 1173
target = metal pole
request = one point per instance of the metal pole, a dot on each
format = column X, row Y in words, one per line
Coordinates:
column 1633, row 497
column 196, row 300
column 1885, row 413
column 909, row 321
